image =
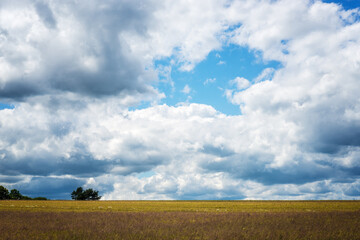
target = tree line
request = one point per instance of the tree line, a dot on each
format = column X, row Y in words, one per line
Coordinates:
column 15, row 194
column 78, row 194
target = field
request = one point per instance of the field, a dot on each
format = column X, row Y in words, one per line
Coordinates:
column 179, row 220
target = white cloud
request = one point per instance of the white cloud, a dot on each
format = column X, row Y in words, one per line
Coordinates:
column 72, row 71
column 209, row 81
column 266, row 75
column 186, row 89
column 240, row 83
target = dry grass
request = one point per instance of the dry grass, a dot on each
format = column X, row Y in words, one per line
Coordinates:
column 180, row 220
column 178, row 225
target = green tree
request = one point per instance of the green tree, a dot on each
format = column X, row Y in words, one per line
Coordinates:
column 77, row 194
column 88, row 194
column 91, row 194
column 4, row 193
column 15, row 194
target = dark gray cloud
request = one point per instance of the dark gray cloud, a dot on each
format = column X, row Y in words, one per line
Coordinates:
column 217, row 151
column 50, row 187
column 82, row 50
column 328, row 129
column 18, row 89
column 45, row 13
column 10, row 179
column 256, row 167
column 353, row 190
column 332, row 139
column 76, row 165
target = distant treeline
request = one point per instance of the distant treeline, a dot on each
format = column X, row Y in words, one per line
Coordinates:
column 14, row 194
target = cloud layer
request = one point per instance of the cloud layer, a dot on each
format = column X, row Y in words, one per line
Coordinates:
column 73, row 70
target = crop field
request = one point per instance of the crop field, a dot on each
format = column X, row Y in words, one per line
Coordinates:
column 179, row 219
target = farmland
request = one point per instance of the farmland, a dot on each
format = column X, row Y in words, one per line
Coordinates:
column 179, row 219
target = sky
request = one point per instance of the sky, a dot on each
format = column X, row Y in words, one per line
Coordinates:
column 149, row 99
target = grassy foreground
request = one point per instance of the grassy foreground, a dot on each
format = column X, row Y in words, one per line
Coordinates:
column 180, row 220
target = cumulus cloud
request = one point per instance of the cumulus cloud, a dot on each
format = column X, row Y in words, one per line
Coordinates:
column 312, row 92
column 51, row 47
column 72, row 70
column 312, row 83
column 241, row 83
column 225, row 153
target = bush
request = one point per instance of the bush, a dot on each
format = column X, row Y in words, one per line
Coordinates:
column 25, row 198
column 40, row 198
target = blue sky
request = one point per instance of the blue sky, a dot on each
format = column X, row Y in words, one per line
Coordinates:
column 346, row 4
column 210, row 78
column 176, row 100
column 5, row 106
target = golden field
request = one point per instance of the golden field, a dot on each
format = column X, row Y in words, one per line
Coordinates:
column 179, row 219
column 179, row 206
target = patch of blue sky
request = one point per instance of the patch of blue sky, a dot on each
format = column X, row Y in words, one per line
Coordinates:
column 6, row 106
column 210, row 78
column 233, row 27
column 145, row 174
column 346, row 4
